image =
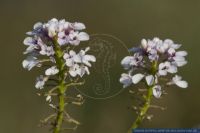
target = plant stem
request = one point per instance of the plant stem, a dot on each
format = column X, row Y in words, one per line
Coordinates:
column 61, row 87
column 147, row 103
column 143, row 110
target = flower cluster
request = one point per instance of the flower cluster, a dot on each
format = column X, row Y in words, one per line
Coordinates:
column 153, row 60
column 51, row 42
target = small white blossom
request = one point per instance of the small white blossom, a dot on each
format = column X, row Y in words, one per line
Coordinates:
column 70, row 58
column 126, row 80
column 157, row 92
column 178, row 58
column 75, row 37
column 166, row 67
column 47, row 50
column 30, row 62
column 78, row 70
column 178, row 81
column 40, row 82
column 51, row 71
column 131, row 61
column 82, row 57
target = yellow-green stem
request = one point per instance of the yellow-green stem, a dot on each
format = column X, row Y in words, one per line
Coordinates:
column 147, row 103
column 62, row 88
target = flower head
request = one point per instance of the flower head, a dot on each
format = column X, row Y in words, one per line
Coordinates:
column 151, row 60
column 46, row 47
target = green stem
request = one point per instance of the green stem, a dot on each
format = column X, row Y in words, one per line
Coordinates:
column 147, row 103
column 61, row 87
column 143, row 110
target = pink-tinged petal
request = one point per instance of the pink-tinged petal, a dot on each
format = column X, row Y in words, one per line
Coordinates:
column 137, row 78
column 149, row 80
column 171, row 51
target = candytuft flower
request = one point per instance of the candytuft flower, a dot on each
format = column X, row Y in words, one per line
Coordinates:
column 163, row 53
column 51, row 46
column 51, row 71
column 40, row 82
column 152, row 63
column 41, row 42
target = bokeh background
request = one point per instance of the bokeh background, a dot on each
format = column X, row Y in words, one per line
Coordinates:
column 130, row 21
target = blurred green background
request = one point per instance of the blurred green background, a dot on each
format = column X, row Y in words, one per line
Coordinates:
column 130, row 21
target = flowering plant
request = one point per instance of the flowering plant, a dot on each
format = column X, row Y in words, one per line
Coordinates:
column 51, row 45
column 155, row 63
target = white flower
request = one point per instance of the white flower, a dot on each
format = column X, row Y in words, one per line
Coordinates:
column 82, row 57
column 129, row 61
column 126, row 80
column 157, row 91
column 166, row 67
column 30, row 62
column 172, row 44
column 52, row 27
column 149, row 80
column 75, row 37
column 178, row 58
column 40, row 82
column 51, row 71
column 137, row 78
column 31, row 43
column 70, row 58
column 78, row 70
column 83, row 70
column 162, row 47
column 63, row 38
column 178, row 81
column 47, row 50
column 153, row 55
column 37, row 28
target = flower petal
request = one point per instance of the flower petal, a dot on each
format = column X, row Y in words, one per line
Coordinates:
column 157, row 91
column 149, row 80
column 137, row 78
column 181, row 53
column 182, row 84
column 78, row 26
column 82, row 36
column 125, row 80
